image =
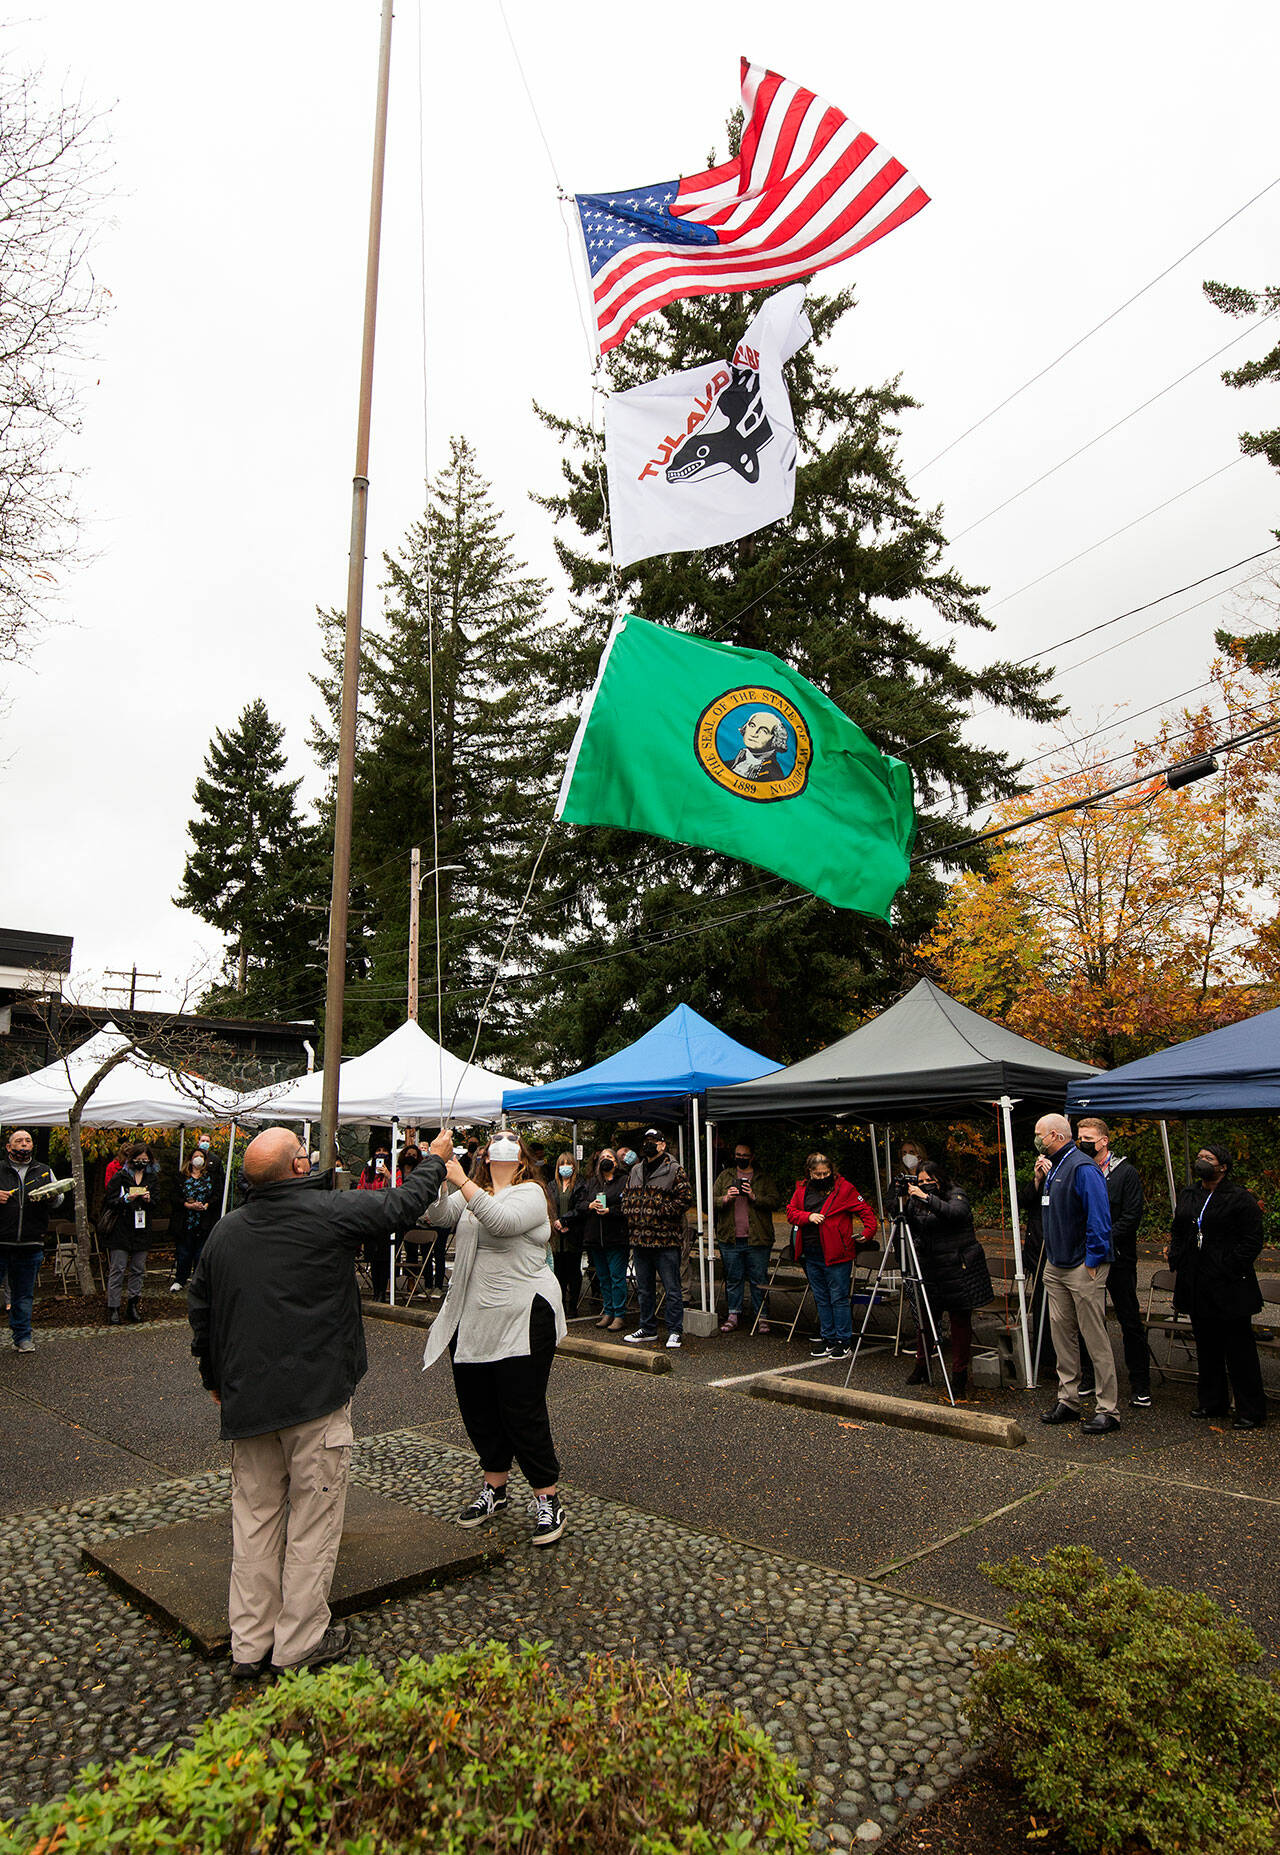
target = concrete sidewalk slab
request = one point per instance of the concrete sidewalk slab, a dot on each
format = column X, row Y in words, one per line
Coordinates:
column 179, row 1574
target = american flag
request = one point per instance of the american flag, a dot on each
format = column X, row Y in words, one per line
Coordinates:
column 808, row 189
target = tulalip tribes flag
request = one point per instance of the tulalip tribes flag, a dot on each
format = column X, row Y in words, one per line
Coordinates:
column 705, row 456
column 709, row 744
column 808, row 189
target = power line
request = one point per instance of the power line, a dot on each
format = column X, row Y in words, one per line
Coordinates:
column 1096, row 329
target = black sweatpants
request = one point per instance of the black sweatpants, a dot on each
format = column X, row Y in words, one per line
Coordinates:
column 1227, row 1353
column 504, row 1405
column 568, row 1268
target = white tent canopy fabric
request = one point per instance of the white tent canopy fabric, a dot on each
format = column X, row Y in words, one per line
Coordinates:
column 136, row 1093
column 407, row 1077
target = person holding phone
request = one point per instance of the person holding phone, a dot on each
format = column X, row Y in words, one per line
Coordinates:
column 745, row 1201
column 376, row 1177
column 599, row 1202
column 131, row 1203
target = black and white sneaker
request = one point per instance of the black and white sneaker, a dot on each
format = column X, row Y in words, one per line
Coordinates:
column 1140, row 1401
column 838, row 1351
column 548, row 1518
column 488, row 1502
column 641, row 1336
column 818, row 1348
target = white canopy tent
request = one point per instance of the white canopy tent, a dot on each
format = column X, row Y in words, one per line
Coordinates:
column 407, row 1077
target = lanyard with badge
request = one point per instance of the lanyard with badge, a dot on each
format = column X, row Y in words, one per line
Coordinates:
column 1200, row 1222
column 1048, row 1179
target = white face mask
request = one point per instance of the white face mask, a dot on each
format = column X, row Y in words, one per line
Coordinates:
column 506, row 1152
column 911, row 1161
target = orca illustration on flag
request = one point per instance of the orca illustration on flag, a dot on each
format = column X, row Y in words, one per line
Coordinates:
column 708, row 455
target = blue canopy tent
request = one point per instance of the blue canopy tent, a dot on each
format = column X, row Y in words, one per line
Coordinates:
column 1232, row 1071
column 662, row 1075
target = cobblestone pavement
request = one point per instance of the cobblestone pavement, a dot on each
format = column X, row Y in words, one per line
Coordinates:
column 862, row 1685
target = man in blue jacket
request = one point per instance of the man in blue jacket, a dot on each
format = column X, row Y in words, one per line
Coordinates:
column 1077, row 1245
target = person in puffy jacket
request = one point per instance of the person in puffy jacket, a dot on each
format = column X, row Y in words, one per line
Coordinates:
column 1216, row 1237
column 24, row 1225
column 130, row 1209
column 953, row 1268
column 823, row 1211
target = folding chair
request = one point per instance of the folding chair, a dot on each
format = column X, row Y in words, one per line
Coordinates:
column 1175, row 1327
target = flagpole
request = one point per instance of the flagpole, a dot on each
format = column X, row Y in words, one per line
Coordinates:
column 336, row 977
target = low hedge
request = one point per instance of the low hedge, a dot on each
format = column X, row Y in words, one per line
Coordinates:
column 1129, row 1713
column 483, row 1750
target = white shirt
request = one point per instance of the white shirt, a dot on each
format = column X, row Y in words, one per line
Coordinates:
column 500, row 1268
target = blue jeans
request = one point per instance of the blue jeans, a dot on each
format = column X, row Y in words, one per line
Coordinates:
column 830, row 1283
column 186, row 1252
column 744, row 1262
column 22, row 1267
column 666, row 1263
column 611, row 1272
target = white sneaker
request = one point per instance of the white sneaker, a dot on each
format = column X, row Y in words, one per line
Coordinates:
column 175, row 1288
column 641, row 1336
column 673, row 1342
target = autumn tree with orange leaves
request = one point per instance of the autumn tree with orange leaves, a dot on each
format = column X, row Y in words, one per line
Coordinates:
column 1138, row 920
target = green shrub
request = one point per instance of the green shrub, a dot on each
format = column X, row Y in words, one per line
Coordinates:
column 484, row 1750
column 1128, row 1712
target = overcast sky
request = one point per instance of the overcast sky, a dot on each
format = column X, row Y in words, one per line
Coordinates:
column 1069, row 156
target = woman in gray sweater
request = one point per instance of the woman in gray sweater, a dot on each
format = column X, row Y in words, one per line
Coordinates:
column 501, row 1322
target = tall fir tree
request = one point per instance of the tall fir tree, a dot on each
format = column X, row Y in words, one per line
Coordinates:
column 454, row 684
column 1260, row 648
column 253, row 861
column 838, row 591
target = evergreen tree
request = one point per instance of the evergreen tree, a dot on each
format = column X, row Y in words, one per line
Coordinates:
column 1261, row 649
column 456, row 667
column 253, row 860
column 837, row 590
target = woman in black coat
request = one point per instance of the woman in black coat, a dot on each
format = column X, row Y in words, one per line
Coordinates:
column 953, row 1266
column 1217, row 1234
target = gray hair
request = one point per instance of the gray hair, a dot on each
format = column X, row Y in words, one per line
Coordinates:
column 777, row 727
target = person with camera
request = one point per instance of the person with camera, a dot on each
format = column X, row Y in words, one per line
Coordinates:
column 129, row 1212
column 1076, row 1217
column 376, row 1176
column 1216, row 1237
column 745, row 1201
column 953, row 1266
column 822, row 1213
column 501, row 1322
column 24, row 1224
column 599, row 1204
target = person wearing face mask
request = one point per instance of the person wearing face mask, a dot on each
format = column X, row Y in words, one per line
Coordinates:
column 193, row 1216
column 745, row 1201
column 656, row 1198
column 1076, row 1219
column 131, row 1207
column 375, row 1176
column 277, row 1334
column 24, row 1222
column 1214, row 1244
column 566, row 1233
column 822, row 1213
column 953, row 1268
column 599, row 1201
column 501, row 1322
column 1127, row 1200
column 213, row 1167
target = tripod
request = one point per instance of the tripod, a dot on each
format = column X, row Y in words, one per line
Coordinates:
column 902, row 1244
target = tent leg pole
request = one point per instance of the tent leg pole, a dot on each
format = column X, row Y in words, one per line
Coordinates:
column 1168, row 1165
column 395, row 1154
column 709, row 1302
column 875, row 1161
column 1006, row 1109
column 697, row 1194
column 231, row 1160
column 182, row 1148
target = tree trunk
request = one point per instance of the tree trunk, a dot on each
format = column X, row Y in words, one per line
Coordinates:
column 84, row 1241
column 244, row 969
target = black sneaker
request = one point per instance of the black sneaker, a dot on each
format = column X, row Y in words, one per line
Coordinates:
column 1140, row 1401
column 641, row 1336
column 250, row 1671
column 837, row 1350
column 488, row 1502
column 548, row 1518
column 818, row 1345
column 332, row 1646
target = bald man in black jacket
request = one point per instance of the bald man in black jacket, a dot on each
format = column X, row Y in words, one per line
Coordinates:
column 275, row 1318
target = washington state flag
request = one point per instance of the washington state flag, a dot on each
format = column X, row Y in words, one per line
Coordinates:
column 709, row 744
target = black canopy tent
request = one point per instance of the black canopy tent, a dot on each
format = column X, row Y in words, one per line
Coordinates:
column 924, row 1056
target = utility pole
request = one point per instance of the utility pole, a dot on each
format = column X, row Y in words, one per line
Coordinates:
column 133, row 988
column 415, row 889
column 336, row 978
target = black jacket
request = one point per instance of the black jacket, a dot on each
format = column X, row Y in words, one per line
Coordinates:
column 273, row 1304
column 123, row 1231
column 1214, row 1259
column 610, row 1231
column 1127, row 1200
column 952, row 1261
column 23, row 1225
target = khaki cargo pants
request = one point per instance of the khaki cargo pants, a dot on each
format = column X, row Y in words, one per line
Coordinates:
column 288, row 1497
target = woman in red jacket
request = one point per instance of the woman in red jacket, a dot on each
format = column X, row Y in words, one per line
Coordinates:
column 823, row 1209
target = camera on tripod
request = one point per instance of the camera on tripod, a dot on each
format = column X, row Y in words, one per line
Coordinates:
column 898, row 1189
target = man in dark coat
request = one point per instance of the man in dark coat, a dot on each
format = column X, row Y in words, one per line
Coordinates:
column 275, row 1314
column 24, row 1225
column 1127, row 1200
column 1217, row 1234
column 655, row 1199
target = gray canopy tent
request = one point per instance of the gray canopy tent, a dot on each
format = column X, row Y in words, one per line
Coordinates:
column 925, row 1056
